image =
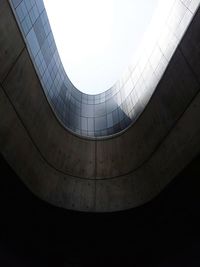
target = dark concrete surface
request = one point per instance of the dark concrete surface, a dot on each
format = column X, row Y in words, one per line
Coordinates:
column 114, row 174
column 118, row 173
column 162, row 233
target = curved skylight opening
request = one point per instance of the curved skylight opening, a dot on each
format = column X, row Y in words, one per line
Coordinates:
column 97, row 39
column 102, row 115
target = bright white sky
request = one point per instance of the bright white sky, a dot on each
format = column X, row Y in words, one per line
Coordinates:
column 96, row 39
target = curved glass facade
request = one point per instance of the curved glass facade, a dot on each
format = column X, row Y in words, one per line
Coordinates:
column 114, row 110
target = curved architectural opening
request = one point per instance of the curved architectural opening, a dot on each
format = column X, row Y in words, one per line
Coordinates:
column 97, row 39
column 108, row 113
column 122, row 172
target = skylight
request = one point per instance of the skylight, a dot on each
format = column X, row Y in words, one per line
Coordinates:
column 97, row 39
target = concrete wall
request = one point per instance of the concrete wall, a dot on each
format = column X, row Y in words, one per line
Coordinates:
column 97, row 175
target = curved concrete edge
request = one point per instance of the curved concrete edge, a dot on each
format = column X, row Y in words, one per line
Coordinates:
column 84, row 175
column 107, row 158
column 106, row 195
column 40, row 178
column 175, row 153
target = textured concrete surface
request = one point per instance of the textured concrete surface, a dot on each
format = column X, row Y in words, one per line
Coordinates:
column 11, row 42
column 112, row 174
